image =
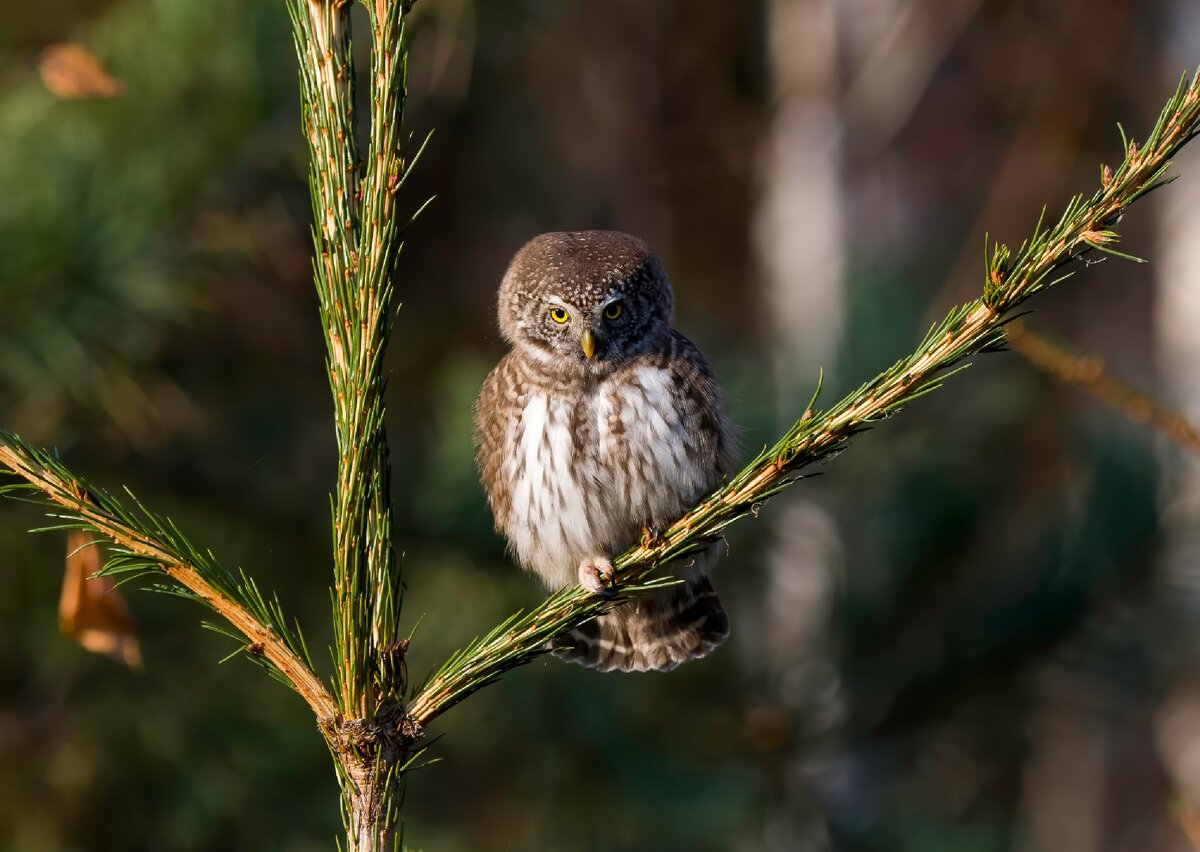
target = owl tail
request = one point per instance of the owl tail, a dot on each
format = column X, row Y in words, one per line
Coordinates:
column 655, row 632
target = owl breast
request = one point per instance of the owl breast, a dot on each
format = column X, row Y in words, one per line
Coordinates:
column 587, row 470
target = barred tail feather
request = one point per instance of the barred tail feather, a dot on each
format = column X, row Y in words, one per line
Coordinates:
column 653, row 633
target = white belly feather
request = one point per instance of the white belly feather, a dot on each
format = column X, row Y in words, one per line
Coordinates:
column 571, row 498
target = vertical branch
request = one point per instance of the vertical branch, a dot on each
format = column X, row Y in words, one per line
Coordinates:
column 376, row 253
column 355, row 235
column 322, row 35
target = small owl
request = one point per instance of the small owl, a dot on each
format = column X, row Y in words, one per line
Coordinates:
column 601, row 424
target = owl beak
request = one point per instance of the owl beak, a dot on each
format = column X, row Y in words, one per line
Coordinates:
column 587, row 342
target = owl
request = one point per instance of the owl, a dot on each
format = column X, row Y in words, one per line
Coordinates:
column 602, row 424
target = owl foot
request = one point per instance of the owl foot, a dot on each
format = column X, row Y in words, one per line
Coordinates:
column 652, row 537
column 597, row 576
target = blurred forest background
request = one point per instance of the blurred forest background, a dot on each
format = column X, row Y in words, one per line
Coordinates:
column 975, row 631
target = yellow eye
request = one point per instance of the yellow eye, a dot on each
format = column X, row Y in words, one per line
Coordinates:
column 613, row 311
column 559, row 315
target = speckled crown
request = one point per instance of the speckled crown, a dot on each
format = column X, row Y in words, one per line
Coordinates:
column 581, row 267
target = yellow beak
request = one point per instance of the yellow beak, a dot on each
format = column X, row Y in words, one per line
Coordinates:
column 587, row 342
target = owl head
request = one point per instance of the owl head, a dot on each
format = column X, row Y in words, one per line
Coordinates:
column 584, row 301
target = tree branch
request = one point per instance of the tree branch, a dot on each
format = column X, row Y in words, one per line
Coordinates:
column 1087, row 373
column 356, row 239
column 974, row 327
column 151, row 544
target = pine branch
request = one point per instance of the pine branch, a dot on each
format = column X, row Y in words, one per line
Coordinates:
column 818, row 436
column 150, row 543
column 355, row 235
column 356, row 239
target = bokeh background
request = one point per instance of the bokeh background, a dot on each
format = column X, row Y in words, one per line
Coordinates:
column 976, row 630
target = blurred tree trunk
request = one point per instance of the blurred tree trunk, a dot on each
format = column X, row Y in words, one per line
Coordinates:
column 1177, row 321
column 800, row 241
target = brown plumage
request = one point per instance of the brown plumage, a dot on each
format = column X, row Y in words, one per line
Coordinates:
column 601, row 423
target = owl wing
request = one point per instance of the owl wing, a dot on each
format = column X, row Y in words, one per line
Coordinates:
column 495, row 409
column 703, row 408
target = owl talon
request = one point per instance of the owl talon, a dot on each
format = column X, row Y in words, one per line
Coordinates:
column 597, row 576
column 652, row 537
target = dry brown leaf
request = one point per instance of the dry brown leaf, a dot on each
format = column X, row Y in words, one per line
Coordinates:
column 92, row 611
column 71, row 71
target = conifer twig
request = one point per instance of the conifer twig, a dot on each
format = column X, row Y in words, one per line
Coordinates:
column 1088, row 374
column 150, row 544
column 977, row 326
column 355, row 235
column 355, row 303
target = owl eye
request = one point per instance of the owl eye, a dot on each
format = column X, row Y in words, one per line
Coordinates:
column 613, row 311
column 559, row 315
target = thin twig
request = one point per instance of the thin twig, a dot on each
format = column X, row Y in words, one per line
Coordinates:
column 1087, row 373
column 68, row 492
